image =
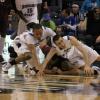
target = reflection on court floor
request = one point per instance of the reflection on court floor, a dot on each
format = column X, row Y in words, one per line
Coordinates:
column 49, row 87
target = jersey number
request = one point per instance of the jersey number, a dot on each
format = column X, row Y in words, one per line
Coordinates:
column 29, row 10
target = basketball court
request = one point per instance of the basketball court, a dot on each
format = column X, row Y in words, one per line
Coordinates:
column 49, row 87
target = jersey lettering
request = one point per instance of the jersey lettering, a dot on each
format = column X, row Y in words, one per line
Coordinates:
column 28, row 9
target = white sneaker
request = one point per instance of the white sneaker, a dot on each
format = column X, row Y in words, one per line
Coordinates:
column 96, row 68
column 6, row 66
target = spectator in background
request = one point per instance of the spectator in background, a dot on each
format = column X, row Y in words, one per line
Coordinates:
column 59, row 30
column 5, row 6
column 62, row 20
column 74, row 20
column 89, row 5
column 48, row 22
column 93, row 29
column 63, row 17
column 13, row 24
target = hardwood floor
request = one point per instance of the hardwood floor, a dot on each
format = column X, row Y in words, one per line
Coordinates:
column 49, row 87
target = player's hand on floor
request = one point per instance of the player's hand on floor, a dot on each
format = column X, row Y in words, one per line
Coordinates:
column 88, row 71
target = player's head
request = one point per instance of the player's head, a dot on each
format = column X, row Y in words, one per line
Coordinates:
column 59, row 41
column 36, row 30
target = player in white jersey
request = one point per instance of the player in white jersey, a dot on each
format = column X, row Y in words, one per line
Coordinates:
column 27, row 44
column 28, row 12
column 80, row 55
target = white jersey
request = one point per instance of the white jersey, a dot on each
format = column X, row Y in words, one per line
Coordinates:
column 28, row 38
column 29, row 9
column 47, row 32
column 24, row 39
column 74, row 55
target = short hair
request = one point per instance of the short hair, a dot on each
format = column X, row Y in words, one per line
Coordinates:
column 56, row 37
column 33, row 26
